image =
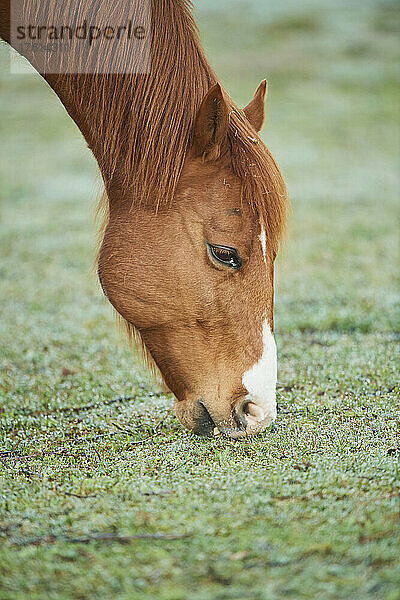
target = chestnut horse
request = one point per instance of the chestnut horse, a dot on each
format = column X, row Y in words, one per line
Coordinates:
column 196, row 207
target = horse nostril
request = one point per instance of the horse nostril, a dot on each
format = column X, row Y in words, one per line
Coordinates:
column 248, row 414
column 204, row 423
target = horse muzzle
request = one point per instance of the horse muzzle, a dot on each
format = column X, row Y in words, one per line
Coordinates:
column 245, row 418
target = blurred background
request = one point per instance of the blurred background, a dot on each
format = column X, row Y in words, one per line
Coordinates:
column 332, row 124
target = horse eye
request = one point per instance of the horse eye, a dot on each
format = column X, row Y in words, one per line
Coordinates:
column 226, row 256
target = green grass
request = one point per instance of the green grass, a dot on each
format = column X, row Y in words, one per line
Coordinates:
column 310, row 509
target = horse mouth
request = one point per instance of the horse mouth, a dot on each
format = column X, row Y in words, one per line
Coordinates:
column 247, row 419
column 204, row 422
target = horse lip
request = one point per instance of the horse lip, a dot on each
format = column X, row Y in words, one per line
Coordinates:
column 205, row 425
column 232, row 432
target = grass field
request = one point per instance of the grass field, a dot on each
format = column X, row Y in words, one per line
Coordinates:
column 309, row 509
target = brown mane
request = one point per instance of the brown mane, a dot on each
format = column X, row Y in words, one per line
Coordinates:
column 139, row 126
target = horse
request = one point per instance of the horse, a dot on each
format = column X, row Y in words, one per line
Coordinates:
column 196, row 205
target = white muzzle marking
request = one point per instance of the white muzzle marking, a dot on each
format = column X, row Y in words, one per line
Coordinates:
column 260, row 381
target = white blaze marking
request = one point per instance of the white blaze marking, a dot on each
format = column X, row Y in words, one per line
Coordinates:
column 260, row 380
column 263, row 239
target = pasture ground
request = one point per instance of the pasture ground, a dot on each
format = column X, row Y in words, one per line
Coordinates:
column 310, row 509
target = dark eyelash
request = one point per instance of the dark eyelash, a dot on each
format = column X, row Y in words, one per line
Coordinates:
column 225, row 255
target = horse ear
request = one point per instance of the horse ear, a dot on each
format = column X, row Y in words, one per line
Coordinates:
column 211, row 124
column 255, row 110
